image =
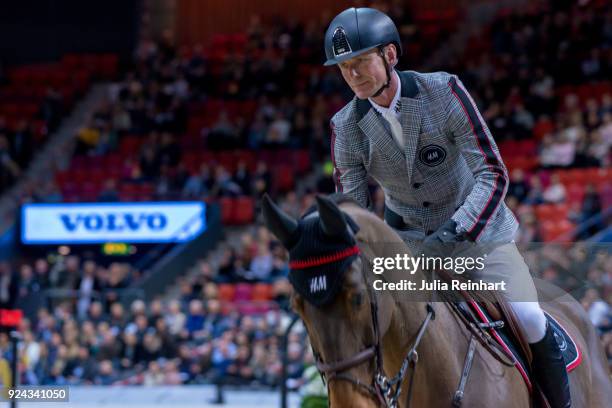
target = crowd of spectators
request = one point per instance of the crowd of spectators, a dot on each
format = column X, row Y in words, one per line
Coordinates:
column 519, row 67
column 17, row 141
column 86, row 336
column 161, row 343
column 167, row 85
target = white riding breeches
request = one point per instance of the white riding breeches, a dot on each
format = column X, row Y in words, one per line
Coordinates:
column 505, row 263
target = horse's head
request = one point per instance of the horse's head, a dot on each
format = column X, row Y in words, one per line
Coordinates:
column 331, row 296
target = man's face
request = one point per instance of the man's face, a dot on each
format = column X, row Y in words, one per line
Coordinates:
column 365, row 74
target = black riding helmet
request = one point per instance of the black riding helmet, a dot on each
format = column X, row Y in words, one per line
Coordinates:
column 358, row 30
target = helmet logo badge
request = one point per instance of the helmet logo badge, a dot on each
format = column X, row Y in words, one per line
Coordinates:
column 340, row 42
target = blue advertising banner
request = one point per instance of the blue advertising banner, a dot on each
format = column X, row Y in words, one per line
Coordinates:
column 91, row 223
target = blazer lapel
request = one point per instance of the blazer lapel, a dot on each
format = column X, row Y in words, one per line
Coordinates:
column 371, row 125
column 410, row 118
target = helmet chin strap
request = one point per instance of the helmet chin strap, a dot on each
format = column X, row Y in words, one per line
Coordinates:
column 387, row 70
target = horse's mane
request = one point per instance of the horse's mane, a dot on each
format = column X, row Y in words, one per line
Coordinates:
column 372, row 230
column 338, row 198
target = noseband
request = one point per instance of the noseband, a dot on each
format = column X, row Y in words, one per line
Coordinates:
column 382, row 389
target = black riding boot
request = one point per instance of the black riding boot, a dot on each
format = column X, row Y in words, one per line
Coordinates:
column 549, row 370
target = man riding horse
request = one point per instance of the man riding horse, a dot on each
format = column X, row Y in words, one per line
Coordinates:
column 422, row 138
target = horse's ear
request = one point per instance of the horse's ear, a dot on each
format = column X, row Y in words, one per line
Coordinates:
column 331, row 218
column 279, row 223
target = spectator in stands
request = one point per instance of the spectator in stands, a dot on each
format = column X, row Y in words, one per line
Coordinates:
column 106, row 374
column 262, row 264
column 223, row 134
column 257, row 131
column 107, row 140
column 51, row 109
column 599, row 311
column 28, row 283
column 156, row 311
column 109, row 193
column 96, row 313
column 555, row 192
column 131, row 350
column 22, row 143
column 65, row 273
column 118, row 279
column 224, row 354
column 242, row 177
column 9, row 169
column 591, row 207
column 169, row 151
column 529, row 229
column 84, row 369
column 262, row 179
column 278, row 132
column 227, row 273
column 41, row 269
column 9, row 286
column 87, row 138
column 198, row 183
column 149, row 163
column 117, row 318
column 518, row 186
column 535, row 195
column 195, row 318
column 223, row 185
column 86, row 285
column 109, row 348
column 599, row 149
column 151, row 346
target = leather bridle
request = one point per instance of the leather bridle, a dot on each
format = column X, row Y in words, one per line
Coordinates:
column 386, row 391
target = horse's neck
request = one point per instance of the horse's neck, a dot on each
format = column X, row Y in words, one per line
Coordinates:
column 442, row 337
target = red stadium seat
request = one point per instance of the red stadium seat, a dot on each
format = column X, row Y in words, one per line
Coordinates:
column 263, row 292
column 227, row 210
column 244, row 210
column 301, row 160
column 248, row 308
column 575, row 193
column 556, row 230
column 551, row 212
column 542, row 127
column 283, row 177
column 244, row 292
column 226, row 292
column 129, row 145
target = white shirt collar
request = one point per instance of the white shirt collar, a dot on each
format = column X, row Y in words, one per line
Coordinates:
column 394, row 107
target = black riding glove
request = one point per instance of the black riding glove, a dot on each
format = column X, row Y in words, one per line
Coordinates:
column 443, row 242
column 447, row 233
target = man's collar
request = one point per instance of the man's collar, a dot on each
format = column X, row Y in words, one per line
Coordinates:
column 394, row 105
column 409, row 89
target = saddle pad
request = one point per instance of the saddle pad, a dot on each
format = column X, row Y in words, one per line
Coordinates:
column 571, row 352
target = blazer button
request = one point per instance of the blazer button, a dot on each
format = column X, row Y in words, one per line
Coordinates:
column 417, row 185
column 426, row 203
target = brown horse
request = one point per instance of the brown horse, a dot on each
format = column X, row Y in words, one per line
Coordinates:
column 344, row 331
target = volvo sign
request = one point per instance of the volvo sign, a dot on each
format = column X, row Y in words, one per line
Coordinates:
column 150, row 222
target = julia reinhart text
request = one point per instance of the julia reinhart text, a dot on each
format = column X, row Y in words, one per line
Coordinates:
column 439, row 285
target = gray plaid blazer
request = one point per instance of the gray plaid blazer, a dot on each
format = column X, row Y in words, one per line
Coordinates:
column 450, row 166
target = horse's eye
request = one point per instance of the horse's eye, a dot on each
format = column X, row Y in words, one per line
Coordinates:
column 357, row 299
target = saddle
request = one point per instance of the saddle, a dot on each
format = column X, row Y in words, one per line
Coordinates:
column 492, row 313
column 497, row 309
